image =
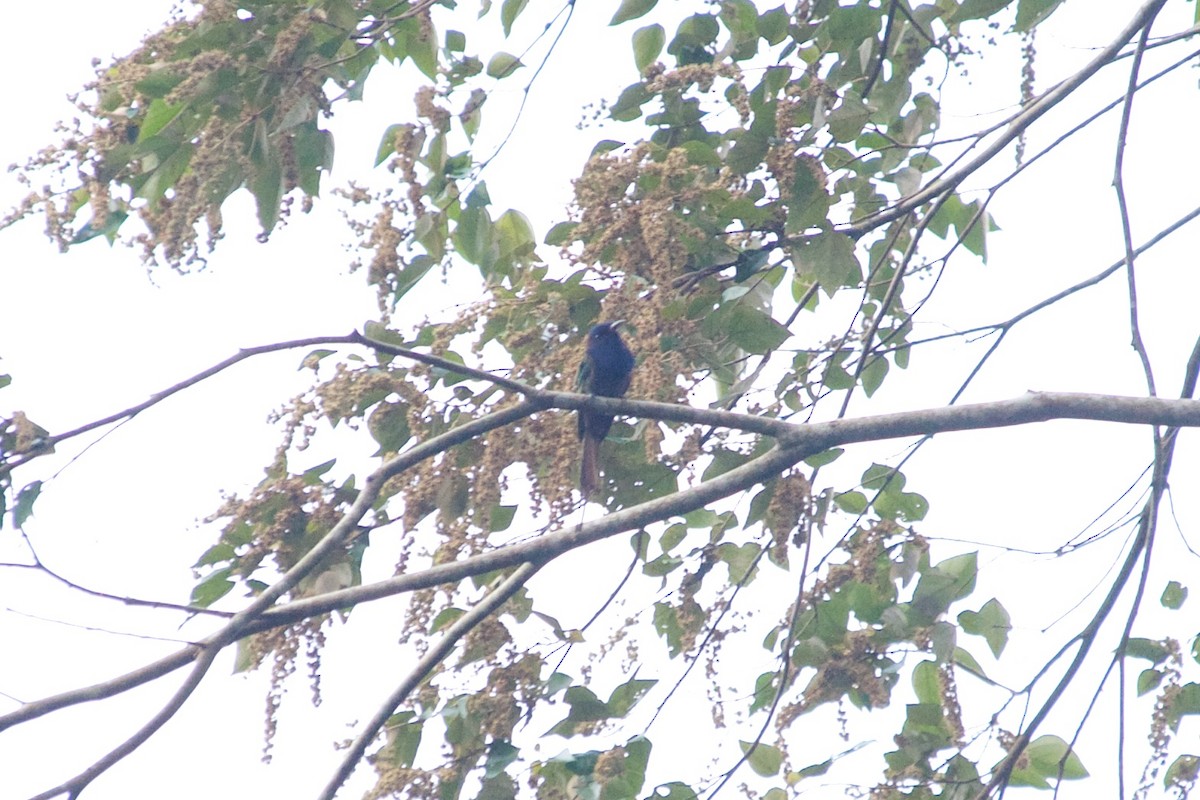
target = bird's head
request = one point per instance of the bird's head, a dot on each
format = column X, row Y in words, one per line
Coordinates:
column 605, row 330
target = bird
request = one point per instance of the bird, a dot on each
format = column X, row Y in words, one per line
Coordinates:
column 606, row 370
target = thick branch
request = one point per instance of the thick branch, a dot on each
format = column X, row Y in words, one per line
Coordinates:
column 797, row 443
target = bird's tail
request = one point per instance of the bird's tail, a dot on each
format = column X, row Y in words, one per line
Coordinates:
column 589, row 466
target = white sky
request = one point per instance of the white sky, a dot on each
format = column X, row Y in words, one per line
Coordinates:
column 89, row 333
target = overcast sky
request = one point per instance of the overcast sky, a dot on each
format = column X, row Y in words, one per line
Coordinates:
column 91, row 332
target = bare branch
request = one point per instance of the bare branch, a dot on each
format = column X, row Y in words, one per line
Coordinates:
column 72, row 787
column 157, row 398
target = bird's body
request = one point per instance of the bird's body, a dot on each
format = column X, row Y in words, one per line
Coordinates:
column 606, row 371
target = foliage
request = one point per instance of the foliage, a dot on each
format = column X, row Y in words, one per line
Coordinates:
column 779, row 163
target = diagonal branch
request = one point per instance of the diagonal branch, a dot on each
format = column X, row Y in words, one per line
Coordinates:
column 800, row 442
column 46, row 444
column 1019, row 123
column 237, row 627
column 461, row 627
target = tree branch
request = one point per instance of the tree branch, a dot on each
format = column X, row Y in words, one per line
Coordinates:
column 797, row 443
column 128, row 413
column 461, row 627
column 1018, row 124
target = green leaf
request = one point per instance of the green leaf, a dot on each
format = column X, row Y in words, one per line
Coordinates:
column 159, row 82
column 1031, row 13
column 878, row 477
column 674, row 791
column 693, row 38
column 606, row 146
column 741, row 18
column 1152, row 651
column 740, row 560
column 967, row 661
column 473, row 234
column 387, row 142
column 953, row 212
column 561, row 233
column 851, row 502
column 501, row 517
column 456, row 41
column 750, row 329
column 927, row 683
column 1051, row 757
column 703, row 154
column 217, row 554
column 647, row 45
column 1148, row 680
column 514, row 235
column 627, row 695
column 829, row 257
column 763, row 759
column 412, row 273
column 672, row 536
column 159, row 114
column 389, row 426
column 764, row 691
column 267, row 187
column 873, row 374
column 943, row 639
column 404, row 739
column 509, row 13
column 24, row 505
column 164, row 176
column 911, row 507
column 585, row 707
column 445, row 618
column 1183, row 703
column 773, row 25
column 1173, row 595
column 1183, row 770
column 849, row 25
column 421, row 45
column 962, row 569
column 632, row 9
column 212, row 588
column 991, row 622
column 663, row 565
column 313, row 150
column 313, row 475
column 666, row 624
column 847, row 121
column 628, row 105
column 977, row 9
column 246, row 656
column 825, row 457
column 940, row 586
column 502, row 64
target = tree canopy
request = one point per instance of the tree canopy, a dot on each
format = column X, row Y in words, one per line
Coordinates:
column 774, row 206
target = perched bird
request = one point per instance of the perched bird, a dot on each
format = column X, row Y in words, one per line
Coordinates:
column 606, row 371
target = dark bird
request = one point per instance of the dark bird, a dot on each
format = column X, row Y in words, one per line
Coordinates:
column 606, row 371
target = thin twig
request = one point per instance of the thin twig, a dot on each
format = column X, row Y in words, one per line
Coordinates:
column 158, row 397
column 948, row 181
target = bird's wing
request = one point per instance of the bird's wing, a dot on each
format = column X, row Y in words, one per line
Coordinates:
column 583, row 378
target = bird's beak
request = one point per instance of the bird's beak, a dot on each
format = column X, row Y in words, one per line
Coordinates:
column 616, row 323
